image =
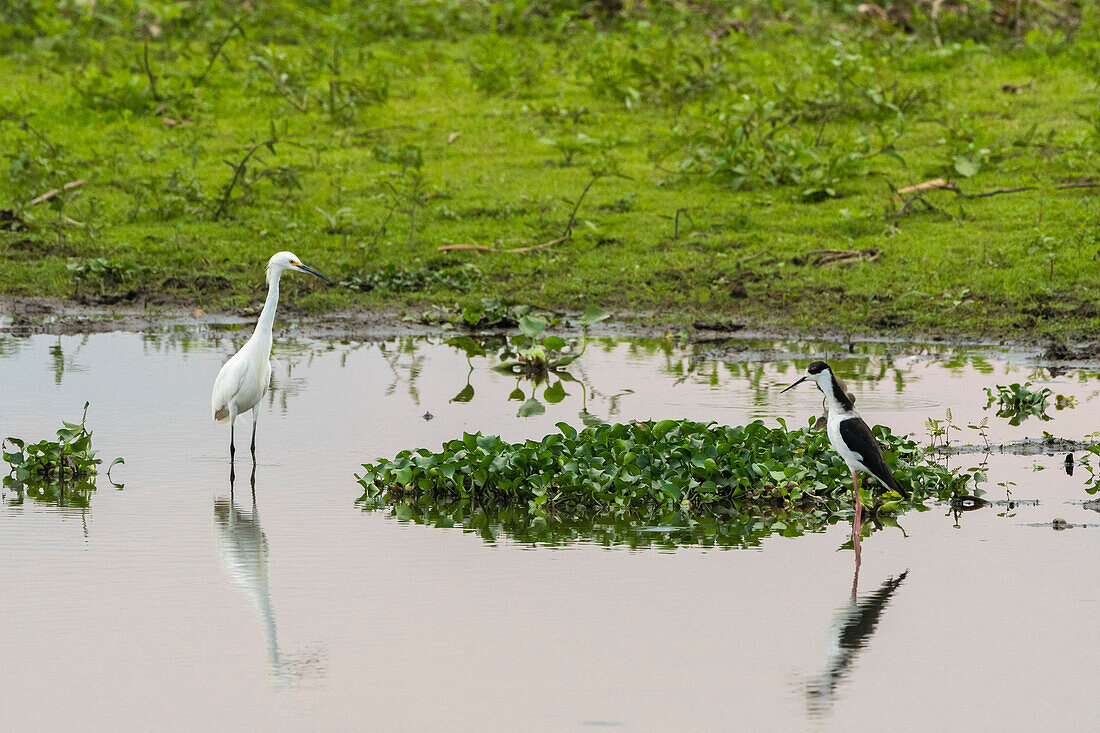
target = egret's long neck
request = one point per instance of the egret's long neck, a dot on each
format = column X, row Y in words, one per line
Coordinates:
column 267, row 315
column 835, row 399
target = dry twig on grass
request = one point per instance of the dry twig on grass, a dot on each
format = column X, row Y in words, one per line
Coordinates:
column 939, row 184
column 498, row 250
column 54, row 191
column 822, row 257
column 926, row 186
column 909, row 203
column 1083, row 183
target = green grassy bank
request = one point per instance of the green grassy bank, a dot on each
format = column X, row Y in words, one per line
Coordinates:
column 668, row 158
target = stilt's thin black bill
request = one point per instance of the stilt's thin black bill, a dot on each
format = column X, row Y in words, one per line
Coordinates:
column 800, row 381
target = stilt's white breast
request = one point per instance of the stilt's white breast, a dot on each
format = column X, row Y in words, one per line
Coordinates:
column 851, row 457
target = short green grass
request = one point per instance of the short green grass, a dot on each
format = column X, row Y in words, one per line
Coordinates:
column 721, row 144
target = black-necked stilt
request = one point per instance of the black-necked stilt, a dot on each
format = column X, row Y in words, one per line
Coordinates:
column 849, row 435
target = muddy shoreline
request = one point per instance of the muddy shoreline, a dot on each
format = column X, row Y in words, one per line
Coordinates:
column 22, row 316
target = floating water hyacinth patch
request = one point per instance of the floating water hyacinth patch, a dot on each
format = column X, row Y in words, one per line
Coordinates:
column 696, row 469
column 1018, row 402
column 61, row 471
column 741, row 524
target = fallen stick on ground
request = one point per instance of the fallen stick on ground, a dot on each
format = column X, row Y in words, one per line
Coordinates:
column 1086, row 183
column 511, row 250
column 939, row 184
column 54, row 191
column 822, row 257
column 927, row 185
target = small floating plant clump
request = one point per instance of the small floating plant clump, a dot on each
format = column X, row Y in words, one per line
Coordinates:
column 697, row 469
column 56, row 471
column 1085, row 461
column 529, row 353
column 537, row 353
column 1018, row 402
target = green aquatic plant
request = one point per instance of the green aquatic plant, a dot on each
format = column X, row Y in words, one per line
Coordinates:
column 537, row 353
column 1064, row 402
column 743, row 524
column 56, row 471
column 551, row 382
column 395, row 279
column 982, row 428
column 528, row 353
column 491, row 313
column 939, row 431
column 1085, row 460
column 672, row 465
column 1018, row 402
column 105, row 274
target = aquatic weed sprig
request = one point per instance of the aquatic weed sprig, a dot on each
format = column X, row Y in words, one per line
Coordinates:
column 1018, row 402
column 1092, row 484
column 698, row 468
column 49, row 469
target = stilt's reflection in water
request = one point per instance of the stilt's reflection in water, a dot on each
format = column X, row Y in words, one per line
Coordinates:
column 851, row 631
column 242, row 547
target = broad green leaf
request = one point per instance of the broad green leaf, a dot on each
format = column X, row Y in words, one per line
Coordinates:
column 532, row 326
column 663, row 428
column 466, row 344
column 592, row 314
column 556, row 343
column 967, row 167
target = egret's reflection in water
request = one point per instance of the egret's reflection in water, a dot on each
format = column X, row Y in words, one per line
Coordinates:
column 242, row 547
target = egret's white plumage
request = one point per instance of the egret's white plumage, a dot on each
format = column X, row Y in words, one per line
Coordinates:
column 242, row 381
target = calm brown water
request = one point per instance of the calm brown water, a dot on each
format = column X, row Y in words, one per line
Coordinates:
column 169, row 606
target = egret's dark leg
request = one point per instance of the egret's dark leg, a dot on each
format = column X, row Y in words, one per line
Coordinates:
column 252, row 481
column 232, row 446
column 232, row 453
column 255, row 416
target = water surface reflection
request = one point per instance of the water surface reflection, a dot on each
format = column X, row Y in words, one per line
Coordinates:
column 243, row 551
column 741, row 524
column 302, row 598
column 242, row 547
column 854, row 624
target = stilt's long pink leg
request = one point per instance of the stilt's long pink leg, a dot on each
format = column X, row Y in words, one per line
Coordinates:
column 857, row 520
column 855, row 577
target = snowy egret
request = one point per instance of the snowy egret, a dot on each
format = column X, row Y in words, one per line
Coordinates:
column 243, row 380
column 850, row 436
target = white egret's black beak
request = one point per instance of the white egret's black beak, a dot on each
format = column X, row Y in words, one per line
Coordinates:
column 800, row 381
column 311, row 271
